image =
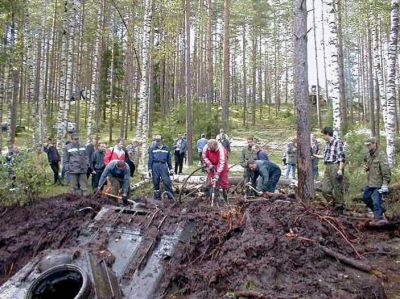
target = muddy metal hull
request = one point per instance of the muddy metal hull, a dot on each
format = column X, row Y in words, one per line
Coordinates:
column 128, row 264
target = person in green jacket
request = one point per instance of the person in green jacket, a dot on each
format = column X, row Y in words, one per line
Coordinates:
column 378, row 179
column 248, row 154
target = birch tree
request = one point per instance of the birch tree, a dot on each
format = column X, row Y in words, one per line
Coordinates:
column 334, row 73
column 391, row 86
column 142, row 127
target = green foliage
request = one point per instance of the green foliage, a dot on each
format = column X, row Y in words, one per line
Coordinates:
column 30, row 180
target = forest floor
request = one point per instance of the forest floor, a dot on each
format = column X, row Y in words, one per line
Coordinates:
column 257, row 248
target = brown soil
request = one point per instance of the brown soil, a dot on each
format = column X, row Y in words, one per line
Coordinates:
column 261, row 249
column 47, row 224
column 272, row 249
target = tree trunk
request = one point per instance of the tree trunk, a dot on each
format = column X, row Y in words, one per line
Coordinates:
column 342, row 83
column 335, row 72
column 305, row 177
column 142, row 124
column 254, row 79
column 371, row 84
column 324, row 52
column 244, row 76
column 391, row 86
column 188, row 83
column 226, row 66
column 317, row 68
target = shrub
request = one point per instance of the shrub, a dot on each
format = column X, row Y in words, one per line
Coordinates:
column 30, row 172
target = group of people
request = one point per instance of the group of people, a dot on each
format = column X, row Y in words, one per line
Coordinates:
column 116, row 166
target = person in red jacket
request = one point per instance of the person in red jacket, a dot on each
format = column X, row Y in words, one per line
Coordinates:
column 115, row 153
column 215, row 157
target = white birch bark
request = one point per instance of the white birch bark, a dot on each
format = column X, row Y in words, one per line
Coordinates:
column 391, row 86
column 333, row 74
column 379, row 72
column 142, row 128
column 94, row 89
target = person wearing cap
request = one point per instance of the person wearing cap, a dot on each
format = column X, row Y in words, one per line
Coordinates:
column 224, row 140
column 378, row 179
column 160, row 167
column 120, row 177
column 334, row 158
column 77, row 162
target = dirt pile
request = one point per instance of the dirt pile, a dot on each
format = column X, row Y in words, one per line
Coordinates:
column 275, row 249
column 47, row 224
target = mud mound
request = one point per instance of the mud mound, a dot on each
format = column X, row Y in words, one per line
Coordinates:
column 273, row 249
column 47, row 224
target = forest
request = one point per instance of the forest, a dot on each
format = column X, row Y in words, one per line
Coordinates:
column 136, row 79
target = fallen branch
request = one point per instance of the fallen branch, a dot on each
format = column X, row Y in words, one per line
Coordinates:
column 351, row 262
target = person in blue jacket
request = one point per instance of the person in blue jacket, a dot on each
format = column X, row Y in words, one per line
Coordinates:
column 120, row 177
column 160, row 167
column 201, row 143
column 267, row 173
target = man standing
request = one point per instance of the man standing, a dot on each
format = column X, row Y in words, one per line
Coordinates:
column 261, row 154
column 201, row 143
column 215, row 158
column 90, row 149
column 77, row 162
column 160, row 167
column 118, row 173
column 379, row 176
column 290, row 159
column 248, row 153
column 180, row 149
column 224, row 140
column 334, row 159
column 54, row 159
column 267, row 173
column 314, row 151
column 98, row 165
column 132, row 152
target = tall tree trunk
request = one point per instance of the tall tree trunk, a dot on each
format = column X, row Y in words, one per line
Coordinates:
column 188, row 84
column 210, row 63
column 305, row 177
column 254, row 79
column 391, row 86
column 371, row 84
column 94, row 89
column 142, row 127
column 335, row 72
column 342, row 83
column 324, row 52
column 244, row 76
column 316, row 67
column 226, row 66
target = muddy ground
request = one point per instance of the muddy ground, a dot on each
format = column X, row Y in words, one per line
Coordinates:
column 265, row 248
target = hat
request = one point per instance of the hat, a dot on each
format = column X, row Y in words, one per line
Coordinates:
column 157, row 138
column 75, row 136
column 371, row 140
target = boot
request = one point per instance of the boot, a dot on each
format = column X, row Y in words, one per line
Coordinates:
column 157, row 195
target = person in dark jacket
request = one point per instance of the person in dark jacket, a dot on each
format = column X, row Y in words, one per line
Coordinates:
column 90, row 149
column 120, row 178
column 261, row 154
column 180, row 149
column 267, row 173
column 54, row 159
column 160, row 167
column 77, row 163
column 98, row 165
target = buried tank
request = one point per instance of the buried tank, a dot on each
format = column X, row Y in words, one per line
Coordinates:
column 120, row 254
